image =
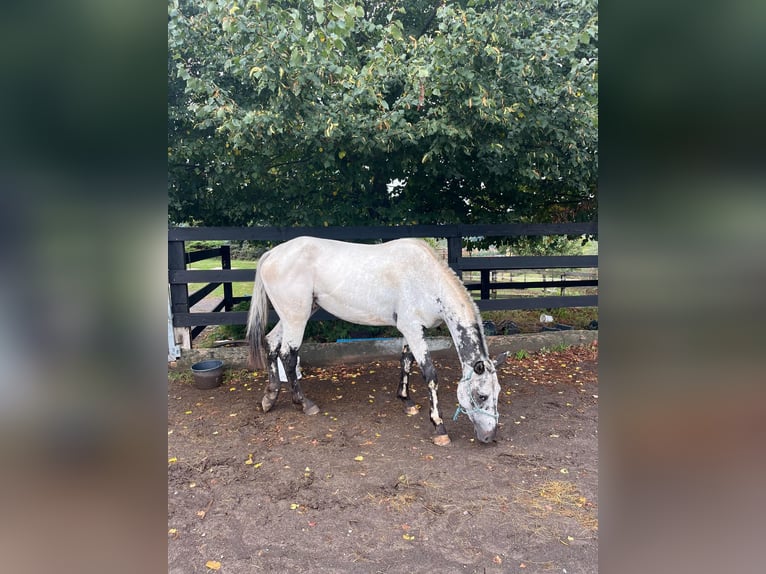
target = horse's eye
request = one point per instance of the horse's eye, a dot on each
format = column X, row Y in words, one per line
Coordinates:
column 483, row 398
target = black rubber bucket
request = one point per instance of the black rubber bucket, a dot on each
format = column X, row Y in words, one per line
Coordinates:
column 208, row 374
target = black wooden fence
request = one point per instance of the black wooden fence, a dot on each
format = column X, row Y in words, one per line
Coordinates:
column 179, row 276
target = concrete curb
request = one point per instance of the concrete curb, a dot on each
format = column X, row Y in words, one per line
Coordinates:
column 324, row 354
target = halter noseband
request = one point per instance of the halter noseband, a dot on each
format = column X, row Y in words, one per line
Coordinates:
column 467, row 373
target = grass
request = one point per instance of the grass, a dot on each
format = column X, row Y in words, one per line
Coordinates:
column 240, row 289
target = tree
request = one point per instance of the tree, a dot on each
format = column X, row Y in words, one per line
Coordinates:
column 335, row 112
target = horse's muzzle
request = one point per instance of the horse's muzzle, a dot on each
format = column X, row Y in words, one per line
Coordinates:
column 488, row 436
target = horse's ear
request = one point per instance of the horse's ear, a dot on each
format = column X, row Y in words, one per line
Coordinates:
column 501, row 358
column 478, row 367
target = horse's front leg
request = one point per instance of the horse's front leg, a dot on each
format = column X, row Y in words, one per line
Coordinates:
column 403, row 392
column 290, row 361
column 441, row 438
column 413, row 334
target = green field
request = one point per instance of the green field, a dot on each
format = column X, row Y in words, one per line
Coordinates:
column 239, row 289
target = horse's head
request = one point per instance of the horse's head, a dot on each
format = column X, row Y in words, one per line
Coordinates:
column 477, row 394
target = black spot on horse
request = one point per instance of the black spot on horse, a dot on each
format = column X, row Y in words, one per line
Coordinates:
column 468, row 349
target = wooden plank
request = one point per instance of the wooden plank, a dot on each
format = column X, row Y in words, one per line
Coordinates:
column 286, row 233
column 234, row 318
column 211, row 276
column 194, row 256
column 454, row 252
column 528, row 229
column 538, row 302
column 484, row 286
column 196, row 331
column 240, row 317
column 381, row 232
column 535, row 284
column 179, row 293
column 228, row 293
column 194, row 319
column 201, row 293
column 527, row 262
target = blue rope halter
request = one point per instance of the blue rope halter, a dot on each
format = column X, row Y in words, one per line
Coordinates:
column 475, row 408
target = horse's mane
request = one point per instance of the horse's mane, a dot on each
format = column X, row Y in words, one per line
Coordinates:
column 458, row 286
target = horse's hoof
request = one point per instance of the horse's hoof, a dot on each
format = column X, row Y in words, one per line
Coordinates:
column 267, row 404
column 310, row 408
column 441, row 440
column 413, row 410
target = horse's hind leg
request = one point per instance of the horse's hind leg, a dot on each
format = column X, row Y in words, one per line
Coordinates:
column 403, row 392
column 273, row 342
column 290, row 361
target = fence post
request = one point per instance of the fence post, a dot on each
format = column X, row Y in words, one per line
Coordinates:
column 485, row 283
column 454, row 252
column 228, row 293
column 179, row 293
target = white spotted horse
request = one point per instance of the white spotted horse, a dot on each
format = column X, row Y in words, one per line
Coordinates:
column 401, row 283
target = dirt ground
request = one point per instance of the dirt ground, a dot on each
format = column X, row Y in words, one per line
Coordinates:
column 360, row 487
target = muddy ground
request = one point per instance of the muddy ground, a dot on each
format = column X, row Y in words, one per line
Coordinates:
column 360, row 487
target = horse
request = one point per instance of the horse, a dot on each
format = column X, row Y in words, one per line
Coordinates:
column 401, row 283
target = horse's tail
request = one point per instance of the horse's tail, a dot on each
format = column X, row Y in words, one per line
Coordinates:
column 256, row 321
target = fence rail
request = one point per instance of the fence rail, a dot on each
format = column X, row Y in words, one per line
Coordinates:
column 179, row 277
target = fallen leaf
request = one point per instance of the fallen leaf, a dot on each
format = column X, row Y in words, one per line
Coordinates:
column 201, row 513
column 172, row 459
column 497, row 559
column 294, row 506
column 213, row 564
column 408, row 537
column 359, row 458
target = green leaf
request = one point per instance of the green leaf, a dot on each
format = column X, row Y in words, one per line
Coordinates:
column 395, row 30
